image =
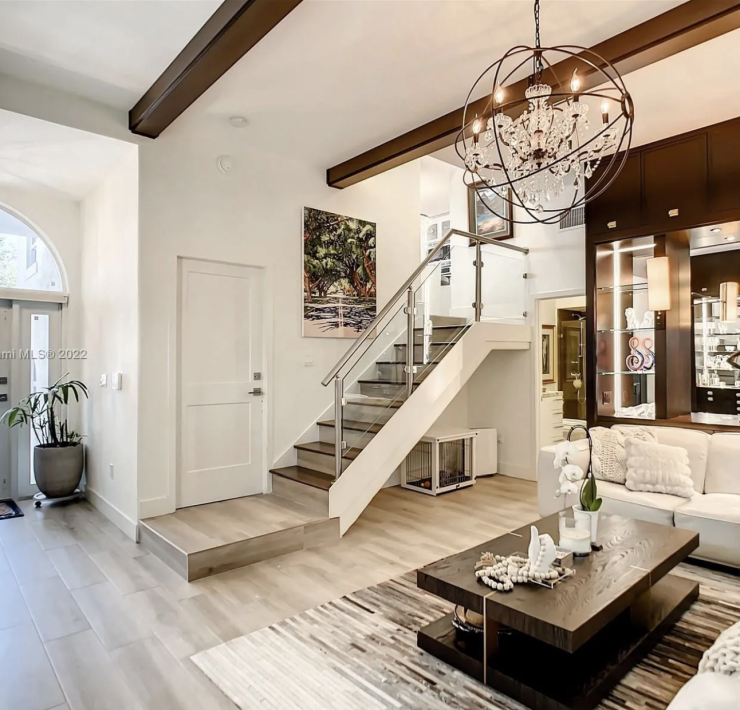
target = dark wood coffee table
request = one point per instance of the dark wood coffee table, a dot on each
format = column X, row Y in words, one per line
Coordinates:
column 565, row 648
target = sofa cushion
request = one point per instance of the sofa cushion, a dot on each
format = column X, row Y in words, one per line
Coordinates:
column 652, row 507
column 723, row 467
column 708, row 691
column 716, row 517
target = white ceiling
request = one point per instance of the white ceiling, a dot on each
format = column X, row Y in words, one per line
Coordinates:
column 338, row 77
column 41, row 156
column 690, row 90
column 109, row 51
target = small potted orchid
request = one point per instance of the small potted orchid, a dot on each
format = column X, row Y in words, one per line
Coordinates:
column 586, row 512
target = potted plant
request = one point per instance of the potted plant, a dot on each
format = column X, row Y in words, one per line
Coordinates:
column 586, row 512
column 58, row 458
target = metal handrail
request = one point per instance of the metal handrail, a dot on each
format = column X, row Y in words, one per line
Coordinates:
column 402, row 290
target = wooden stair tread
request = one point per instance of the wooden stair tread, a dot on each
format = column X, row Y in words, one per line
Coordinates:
column 445, row 327
column 434, row 343
column 307, row 476
column 389, row 382
column 403, row 364
column 373, row 428
column 375, row 402
column 321, row 447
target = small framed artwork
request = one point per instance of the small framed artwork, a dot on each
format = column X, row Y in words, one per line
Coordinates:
column 548, row 354
column 482, row 221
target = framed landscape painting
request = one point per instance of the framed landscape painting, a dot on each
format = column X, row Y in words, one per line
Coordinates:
column 339, row 276
column 482, row 221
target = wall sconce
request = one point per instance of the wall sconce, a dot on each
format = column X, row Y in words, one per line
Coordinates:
column 728, row 293
column 659, row 283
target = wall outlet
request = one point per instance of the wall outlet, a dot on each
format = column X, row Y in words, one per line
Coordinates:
column 111, row 470
column 308, row 362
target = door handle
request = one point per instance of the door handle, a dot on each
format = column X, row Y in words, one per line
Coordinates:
column 257, row 391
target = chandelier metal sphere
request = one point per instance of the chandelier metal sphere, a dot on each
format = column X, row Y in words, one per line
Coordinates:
column 535, row 150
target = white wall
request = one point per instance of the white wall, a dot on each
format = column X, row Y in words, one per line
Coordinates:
column 110, row 327
column 250, row 216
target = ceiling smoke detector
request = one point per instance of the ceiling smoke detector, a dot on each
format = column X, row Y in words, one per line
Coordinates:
column 238, row 121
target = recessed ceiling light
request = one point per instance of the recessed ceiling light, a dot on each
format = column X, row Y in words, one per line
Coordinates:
column 238, row 121
column 729, row 239
column 716, row 230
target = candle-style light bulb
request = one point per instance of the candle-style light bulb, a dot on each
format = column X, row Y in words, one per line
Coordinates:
column 575, row 82
column 605, row 111
column 498, row 95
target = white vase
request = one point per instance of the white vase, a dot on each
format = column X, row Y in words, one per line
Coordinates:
column 587, row 520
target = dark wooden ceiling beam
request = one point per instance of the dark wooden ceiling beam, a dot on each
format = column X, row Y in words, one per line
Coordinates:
column 681, row 28
column 235, row 27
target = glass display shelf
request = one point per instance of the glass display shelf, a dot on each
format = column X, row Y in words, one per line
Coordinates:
column 628, row 372
column 625, row 288
column 715, row 334
column 627, row 330
column 717, row 387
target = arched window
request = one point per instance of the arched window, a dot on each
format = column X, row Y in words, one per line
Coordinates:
column 25, row 260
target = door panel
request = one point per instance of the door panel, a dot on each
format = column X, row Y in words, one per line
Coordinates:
column 38, row 367
column 221, row 426
column 6, row 349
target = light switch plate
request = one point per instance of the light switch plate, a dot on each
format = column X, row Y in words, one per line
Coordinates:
column 117, row 380
column 103, row 380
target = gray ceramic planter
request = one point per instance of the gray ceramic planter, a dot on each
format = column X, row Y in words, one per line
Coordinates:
column 58, row 469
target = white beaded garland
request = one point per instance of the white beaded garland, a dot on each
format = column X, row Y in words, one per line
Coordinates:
column 502, row 573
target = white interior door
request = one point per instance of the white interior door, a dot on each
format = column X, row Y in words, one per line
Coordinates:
column 220, row 438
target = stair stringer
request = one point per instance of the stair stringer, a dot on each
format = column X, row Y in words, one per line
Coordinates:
column 362, row 480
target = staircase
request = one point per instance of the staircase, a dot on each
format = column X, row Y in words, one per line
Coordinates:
column 379, row 394
column 405, row 369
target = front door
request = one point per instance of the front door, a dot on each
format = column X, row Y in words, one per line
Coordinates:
column 220, row 437
column 30, row 360
column 6, row 350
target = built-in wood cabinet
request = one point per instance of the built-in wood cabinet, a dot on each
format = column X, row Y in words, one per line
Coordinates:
column 620, row 206
column 679, row 183
column 674, row 182
column 724, row 167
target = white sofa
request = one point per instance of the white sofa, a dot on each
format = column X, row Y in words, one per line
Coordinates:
column 713, row 512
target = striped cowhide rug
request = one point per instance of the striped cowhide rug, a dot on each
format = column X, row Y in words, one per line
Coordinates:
column 359, row 653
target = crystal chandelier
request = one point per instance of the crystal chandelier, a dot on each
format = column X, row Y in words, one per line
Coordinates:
column 533, row 149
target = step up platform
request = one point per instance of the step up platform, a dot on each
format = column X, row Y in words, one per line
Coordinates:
column 209, row 539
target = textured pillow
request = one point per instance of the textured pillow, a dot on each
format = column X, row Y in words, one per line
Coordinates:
column 631, row 431
column 608, row 459
column 657, row 468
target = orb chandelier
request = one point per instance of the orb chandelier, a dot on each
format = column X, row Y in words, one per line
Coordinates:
column 534, row 151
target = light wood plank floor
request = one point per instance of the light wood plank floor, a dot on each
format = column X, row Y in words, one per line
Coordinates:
column 90, row 619
column 205, row 526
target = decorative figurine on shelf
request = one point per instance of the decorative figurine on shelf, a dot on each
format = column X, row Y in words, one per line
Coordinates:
column 635, row 360
column 631, row 317
column 648, row 320
column 647, row 345
column 587, row 512
column 502, row 573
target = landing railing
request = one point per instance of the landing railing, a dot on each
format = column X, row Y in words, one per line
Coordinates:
column 464, row 279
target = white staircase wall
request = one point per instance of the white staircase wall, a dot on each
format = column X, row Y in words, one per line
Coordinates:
column 351, row 494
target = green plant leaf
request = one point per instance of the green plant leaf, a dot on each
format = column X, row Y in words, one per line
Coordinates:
column 596, row 505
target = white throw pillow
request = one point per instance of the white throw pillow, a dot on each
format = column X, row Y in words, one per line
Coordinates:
column 608, row 459
column 657, row 468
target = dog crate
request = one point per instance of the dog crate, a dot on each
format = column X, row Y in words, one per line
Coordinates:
column 440, row 463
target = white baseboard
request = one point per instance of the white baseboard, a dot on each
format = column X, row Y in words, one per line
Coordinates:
column 119, row 519
column 514, row 471
column 152, row 507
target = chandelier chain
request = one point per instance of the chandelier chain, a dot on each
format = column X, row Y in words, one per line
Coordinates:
column 537, row 42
